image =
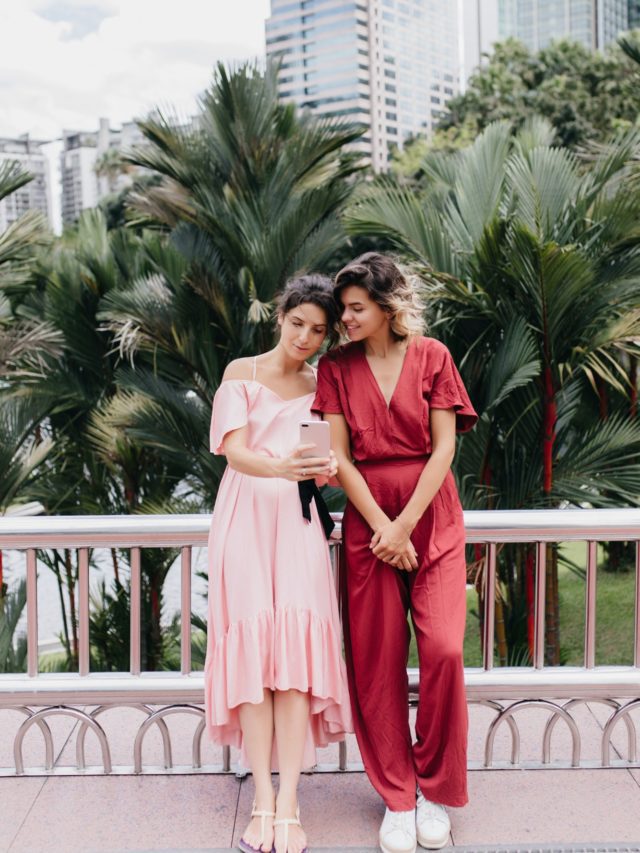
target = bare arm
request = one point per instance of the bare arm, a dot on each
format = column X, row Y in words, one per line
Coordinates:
column 246, row 461
column 359, row 494
column 290, row 467
column 443, row 440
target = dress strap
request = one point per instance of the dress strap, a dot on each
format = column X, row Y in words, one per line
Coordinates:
column 255, row 366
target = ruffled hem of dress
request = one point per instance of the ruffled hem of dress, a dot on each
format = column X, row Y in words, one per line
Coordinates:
column 242, row 663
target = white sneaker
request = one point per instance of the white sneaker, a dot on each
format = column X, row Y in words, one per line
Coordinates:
column 432, row 824
column 398, row 832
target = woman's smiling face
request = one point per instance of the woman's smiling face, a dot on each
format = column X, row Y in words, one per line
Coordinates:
column 361, row 315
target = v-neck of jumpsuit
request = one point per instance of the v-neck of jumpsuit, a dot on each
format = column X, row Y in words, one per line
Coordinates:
column 377, row 384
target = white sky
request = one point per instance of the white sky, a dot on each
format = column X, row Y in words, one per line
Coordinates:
column 66, row 63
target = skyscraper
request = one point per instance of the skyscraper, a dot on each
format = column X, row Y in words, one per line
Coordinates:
column 391, row 65
column 36, row 195
column 593, row 23
column 634, row 14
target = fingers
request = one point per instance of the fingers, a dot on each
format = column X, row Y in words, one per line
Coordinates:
column 297, row 452
column 403, row 559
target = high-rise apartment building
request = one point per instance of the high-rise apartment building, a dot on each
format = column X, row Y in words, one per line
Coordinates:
column 85, row 168
column 36, row 195
column 593, row 23
column 391, row 65
column 634, row 14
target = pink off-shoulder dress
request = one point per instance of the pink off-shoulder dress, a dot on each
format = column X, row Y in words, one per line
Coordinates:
column 273, row 614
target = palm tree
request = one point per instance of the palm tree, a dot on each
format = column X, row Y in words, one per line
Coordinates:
column 532, row 259
column 93, row 467
column 249, row 195
column 22, row 345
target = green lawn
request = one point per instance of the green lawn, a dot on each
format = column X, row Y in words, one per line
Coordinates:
column 614, row 620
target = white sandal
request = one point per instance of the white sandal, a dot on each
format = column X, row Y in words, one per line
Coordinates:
column 287, row 822
column 263, row 815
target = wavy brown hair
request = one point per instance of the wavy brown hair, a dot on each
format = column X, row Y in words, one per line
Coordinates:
column 396, row 292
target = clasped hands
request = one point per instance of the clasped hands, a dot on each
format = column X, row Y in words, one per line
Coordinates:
column 392, row 544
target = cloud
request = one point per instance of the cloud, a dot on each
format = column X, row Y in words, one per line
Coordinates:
column 66, row 63
column 81, row 19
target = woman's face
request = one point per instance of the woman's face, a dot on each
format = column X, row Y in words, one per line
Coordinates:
column 361, row 315
column 302, row 330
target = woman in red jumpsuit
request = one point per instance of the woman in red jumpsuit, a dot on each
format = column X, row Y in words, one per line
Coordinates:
column 394, row 400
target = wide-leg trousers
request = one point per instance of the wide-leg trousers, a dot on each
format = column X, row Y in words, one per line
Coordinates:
column 376, row 601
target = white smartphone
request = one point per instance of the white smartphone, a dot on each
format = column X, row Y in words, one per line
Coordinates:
column 318, row 433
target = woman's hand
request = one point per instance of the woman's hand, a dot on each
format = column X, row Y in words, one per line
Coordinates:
column 323, row 479
column 392, row 544
column 295, row 467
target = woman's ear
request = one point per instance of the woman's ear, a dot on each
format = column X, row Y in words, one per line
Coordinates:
column 279, row 319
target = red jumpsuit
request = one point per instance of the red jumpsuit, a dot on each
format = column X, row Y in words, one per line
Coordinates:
column 390, row 447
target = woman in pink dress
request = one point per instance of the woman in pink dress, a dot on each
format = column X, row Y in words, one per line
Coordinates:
column 275, row 682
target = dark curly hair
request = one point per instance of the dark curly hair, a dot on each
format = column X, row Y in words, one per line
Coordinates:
column 311, row 289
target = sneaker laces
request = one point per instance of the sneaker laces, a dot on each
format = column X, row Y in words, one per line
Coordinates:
column 401, row 820
column 428, row 808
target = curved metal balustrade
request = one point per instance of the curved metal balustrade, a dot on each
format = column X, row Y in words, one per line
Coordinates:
column 507, row 691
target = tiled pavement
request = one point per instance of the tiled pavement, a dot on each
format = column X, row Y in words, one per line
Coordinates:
column 525, row 810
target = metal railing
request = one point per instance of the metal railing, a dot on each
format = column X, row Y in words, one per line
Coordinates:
column 40, row 695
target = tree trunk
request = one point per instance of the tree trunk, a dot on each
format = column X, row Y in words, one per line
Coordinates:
column 71, row 587
column 154, row 651
column 552, row 614
column 529, row 585
column 550, row 417
column 116, row 570
column 501, row 634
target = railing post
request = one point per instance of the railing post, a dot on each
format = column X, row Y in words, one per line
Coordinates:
column 83, row 611
column 590, row 606
column 135, row 612
column 185, row 610
column 541, row 579
column 32, row 612
column 489, row 606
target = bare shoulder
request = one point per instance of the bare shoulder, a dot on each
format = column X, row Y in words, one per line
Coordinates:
column 239, row 368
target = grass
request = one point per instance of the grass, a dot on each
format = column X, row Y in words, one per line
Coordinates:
column 615, row 601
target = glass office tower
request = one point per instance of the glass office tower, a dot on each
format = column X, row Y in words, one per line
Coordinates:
column 593, row 23
column 390, row 64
